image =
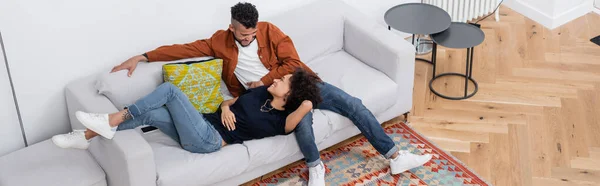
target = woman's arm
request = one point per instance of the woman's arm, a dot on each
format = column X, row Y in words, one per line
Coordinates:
column 227, row 117
column 228, row 103
column 295, row 117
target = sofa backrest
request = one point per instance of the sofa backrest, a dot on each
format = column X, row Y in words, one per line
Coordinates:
column 316, row 28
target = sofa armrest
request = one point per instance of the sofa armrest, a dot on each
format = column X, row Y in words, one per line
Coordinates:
column 379, row 48
column 82, row 96
column 127, row 159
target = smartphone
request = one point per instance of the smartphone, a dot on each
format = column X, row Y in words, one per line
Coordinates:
column 148, row 129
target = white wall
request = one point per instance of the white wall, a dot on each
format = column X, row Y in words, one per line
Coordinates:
column 551, row 13
column 11, row 137
column 51, row 43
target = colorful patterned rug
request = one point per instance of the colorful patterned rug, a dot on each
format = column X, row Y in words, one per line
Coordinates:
column 358, row 163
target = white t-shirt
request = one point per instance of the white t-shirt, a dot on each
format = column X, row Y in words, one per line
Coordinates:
column 249, row 67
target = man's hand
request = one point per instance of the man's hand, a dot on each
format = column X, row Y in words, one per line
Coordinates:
column 227, row 118
column 255, row 84
column 130, row 64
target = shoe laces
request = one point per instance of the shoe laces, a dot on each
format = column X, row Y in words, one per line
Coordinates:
column 73, row 135
column 97, row 116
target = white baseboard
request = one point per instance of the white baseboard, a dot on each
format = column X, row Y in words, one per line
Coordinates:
column 596, row 10
column 529, row 11
column 573, row 13
column 546, row 20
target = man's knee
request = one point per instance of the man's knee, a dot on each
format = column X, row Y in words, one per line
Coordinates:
column 356, row 104
column 305, row 123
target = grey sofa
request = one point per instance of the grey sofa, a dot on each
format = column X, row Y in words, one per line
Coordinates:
column 45, row 164
column 346, row 49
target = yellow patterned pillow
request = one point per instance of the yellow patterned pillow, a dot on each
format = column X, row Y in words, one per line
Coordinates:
column 199, row 80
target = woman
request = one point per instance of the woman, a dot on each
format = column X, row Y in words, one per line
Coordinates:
column 258, row 113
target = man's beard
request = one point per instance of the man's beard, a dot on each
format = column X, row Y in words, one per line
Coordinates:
column 240, row 42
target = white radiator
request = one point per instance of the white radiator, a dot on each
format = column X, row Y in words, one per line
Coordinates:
column 466, row 10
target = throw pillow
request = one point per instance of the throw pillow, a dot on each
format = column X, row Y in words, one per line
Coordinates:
column 199, row 80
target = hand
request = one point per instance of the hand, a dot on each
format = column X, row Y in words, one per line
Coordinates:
column 228, row 118
column 130, row 64
column 255, row 84
column 306, row 104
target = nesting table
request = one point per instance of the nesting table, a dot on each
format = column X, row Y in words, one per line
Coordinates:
column 425, row 19
column 418, row 19
column 458, row 35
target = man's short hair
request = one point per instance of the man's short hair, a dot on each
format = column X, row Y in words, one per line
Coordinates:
column 245, row 13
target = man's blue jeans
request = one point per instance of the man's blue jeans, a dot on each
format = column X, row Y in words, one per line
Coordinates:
column 169, row 109
column 338, row 101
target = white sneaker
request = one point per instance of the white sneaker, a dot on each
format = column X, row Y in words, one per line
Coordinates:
column 75, row 139
column 316, row 175
column 97, row 123
column 406, row 161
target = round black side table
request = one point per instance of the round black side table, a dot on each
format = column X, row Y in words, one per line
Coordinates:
column 417, row 18
column 458, row 35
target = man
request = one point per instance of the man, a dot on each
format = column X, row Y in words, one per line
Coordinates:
column 254, row 54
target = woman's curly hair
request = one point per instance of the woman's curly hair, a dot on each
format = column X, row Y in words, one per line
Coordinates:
column 246, row 14
column 303, row 86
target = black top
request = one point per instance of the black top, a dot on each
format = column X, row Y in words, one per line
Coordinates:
column 459, row 35
column 251, row 122
column 417, row 18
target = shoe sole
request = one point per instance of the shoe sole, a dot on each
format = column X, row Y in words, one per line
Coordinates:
column 420, row 164
column 93, row 128
column 67, row 147
column 57, row 144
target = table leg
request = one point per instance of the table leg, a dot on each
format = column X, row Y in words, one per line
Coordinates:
column 467, row 71
column 471, row 65
column 467, row 75
column 434, row 58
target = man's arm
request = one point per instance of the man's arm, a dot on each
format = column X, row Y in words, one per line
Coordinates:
column 287, row 55
column 199, row 48
column 295, row 117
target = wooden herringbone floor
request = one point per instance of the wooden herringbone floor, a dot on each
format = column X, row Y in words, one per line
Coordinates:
column 536, row 117
column 535, row 120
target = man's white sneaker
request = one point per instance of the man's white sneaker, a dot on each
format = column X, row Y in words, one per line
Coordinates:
column 316, row 175
column 75, row 139
column 406, row 161
column 97, row 123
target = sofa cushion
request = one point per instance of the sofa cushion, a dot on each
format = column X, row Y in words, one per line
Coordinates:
column 200, row 81
column 176, row 166
column 300, row 26
column 283, row 146
column 376, row 90
column 46, row 164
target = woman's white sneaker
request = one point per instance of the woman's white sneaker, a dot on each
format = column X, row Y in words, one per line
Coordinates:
column 97, row 123
column 406, row 161
column 75, row 139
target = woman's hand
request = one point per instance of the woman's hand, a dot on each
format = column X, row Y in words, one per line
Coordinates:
column 306, row 104
column 228, row 118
